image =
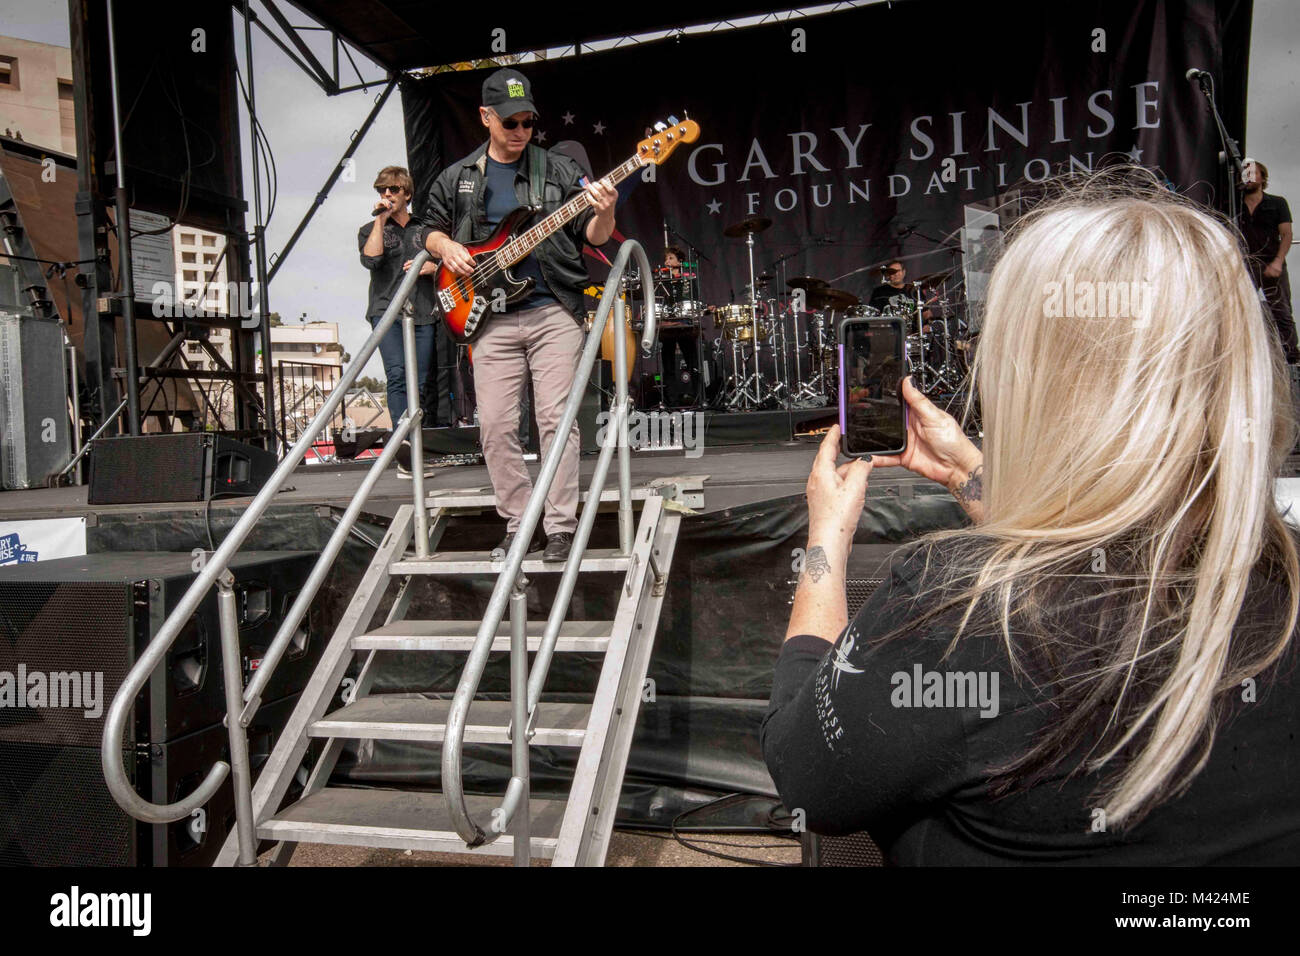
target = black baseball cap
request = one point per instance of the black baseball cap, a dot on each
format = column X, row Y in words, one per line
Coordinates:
column 508, row 92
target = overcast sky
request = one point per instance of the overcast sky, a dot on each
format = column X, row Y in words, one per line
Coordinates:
column 308, row 132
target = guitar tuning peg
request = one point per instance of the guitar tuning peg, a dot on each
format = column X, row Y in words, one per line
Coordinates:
column 649, row 132
column 673, row 121
column 660, row 127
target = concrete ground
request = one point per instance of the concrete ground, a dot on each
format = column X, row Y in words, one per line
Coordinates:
column 626, row 848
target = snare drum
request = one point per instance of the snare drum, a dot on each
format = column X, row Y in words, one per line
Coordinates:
column 862, row 312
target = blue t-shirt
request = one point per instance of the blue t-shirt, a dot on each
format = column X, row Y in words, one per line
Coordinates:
column 499, row 200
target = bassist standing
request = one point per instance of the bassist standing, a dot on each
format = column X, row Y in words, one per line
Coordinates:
column 539, row 334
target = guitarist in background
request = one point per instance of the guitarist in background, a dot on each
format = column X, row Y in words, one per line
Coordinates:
column 541, row 334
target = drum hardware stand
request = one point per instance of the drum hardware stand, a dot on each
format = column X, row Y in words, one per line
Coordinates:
column 762, row 392
column 920, row 335
column 780, row 343
column 817, row 390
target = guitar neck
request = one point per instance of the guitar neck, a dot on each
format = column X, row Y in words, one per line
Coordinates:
column 524, row 243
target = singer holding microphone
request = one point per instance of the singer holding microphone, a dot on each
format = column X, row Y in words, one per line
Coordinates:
column 388, row 244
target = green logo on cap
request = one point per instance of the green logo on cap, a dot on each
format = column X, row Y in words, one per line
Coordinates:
column 514, row 88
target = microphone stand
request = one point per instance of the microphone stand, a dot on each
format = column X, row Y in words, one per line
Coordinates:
column 1230, row 154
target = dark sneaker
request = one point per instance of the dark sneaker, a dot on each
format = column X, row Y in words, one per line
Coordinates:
column 404, row 463
column 558, row 546
column 404, row 459
column 500, row 551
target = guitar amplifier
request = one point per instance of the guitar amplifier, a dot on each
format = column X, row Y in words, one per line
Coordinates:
column 186, row 466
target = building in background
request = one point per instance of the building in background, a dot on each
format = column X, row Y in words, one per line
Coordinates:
column 36, row 104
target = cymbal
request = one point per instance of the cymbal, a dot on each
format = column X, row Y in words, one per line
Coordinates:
column 835, row 299
column 746, row 226
column 940, row 276
column 807, row 283
column 764, row 277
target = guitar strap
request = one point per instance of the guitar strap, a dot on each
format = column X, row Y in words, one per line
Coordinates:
column 536, row 176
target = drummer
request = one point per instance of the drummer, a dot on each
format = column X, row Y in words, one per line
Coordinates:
column 673, row 258
column 895, row 285
column 679, row 334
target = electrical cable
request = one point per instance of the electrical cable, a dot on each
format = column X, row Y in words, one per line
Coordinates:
column 207, row 513
column 698, row 845
column 50, row 262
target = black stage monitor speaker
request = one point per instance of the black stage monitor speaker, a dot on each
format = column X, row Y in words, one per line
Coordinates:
column 55, row 809
column 73, row 622
column 69, row 632
column 186, row 466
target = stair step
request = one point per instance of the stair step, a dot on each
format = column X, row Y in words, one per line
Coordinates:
column 590, row 636
column 484, row 498
column 412, row 717
column 403, row 820
column 480, row 562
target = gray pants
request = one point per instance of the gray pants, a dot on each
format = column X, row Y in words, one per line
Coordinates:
column 547, row 343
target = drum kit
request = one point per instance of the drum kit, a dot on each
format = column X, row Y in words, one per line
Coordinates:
column 778, row 350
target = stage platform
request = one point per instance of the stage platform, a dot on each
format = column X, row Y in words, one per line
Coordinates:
column 737, row 475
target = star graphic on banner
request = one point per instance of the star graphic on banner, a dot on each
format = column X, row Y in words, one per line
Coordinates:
column 599, row 128
column 541, row 136
column 714, row 207
column 568, row 119
column 1135, row 154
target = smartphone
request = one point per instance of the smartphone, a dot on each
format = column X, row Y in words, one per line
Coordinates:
column 873, row 363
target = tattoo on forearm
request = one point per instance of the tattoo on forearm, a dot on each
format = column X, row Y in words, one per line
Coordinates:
column 816, row 563
column 972, row 489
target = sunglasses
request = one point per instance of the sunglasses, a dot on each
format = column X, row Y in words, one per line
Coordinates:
column 512, row 123
column 388, row 189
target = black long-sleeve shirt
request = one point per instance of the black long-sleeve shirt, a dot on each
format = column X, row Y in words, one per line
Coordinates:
column 844, row 750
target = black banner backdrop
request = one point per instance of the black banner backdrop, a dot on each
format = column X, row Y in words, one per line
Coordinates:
column 864, row 134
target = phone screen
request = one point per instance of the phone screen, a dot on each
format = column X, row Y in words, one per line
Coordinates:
column 873, row 362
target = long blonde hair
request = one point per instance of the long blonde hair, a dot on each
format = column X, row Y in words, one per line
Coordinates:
column 1135, row 451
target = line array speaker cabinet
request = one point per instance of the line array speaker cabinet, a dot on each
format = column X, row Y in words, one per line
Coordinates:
column 186, row 466
column 69, row 631
column 34, row 423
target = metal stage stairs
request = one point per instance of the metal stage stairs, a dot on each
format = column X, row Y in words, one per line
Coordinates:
column 572, row 832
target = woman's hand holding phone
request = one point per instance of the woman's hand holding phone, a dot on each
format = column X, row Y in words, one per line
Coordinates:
column 938, row 449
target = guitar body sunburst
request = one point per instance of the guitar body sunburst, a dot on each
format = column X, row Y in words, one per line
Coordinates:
column 466, row 302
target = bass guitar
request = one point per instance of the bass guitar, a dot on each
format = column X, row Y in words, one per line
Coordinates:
column 467, row 302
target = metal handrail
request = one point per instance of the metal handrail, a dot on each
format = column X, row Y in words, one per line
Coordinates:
column 509, row 587
column 111, row 756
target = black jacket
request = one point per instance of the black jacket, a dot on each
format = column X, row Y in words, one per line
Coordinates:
column 455, row 207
